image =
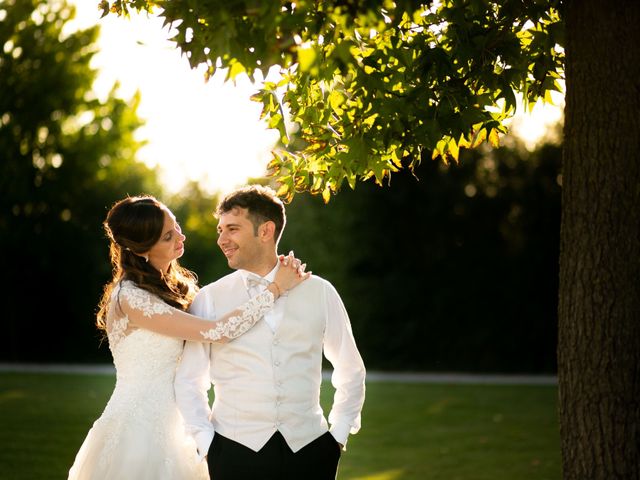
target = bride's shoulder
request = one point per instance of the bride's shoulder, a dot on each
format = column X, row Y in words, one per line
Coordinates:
column 125, row 286
column 130, row 289
column 140, row 298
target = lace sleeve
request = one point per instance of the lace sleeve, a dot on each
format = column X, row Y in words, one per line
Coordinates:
column 242, row 319
column 145, row 310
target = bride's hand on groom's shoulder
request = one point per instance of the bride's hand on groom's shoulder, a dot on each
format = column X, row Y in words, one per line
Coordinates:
column 291, row 272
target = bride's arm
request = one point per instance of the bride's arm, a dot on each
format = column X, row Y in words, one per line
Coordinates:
column 147, row 311
column 151, row 313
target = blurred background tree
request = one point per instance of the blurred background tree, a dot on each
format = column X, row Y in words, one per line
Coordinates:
column 454, row 268
column 65, row 157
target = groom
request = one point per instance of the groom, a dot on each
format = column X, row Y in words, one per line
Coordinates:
column 266, row 421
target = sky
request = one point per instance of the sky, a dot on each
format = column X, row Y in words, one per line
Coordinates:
column 196, row 130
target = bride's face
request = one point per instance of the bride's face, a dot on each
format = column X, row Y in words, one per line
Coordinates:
column 170, row 246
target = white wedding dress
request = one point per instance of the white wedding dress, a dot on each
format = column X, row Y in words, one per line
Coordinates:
column 140, row 435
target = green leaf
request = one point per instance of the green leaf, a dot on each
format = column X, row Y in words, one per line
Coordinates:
column 307, row 57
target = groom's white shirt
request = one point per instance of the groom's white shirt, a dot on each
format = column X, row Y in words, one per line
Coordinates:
column 269, row 379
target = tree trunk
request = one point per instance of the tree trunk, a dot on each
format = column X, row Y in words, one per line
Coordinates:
column 599, row 304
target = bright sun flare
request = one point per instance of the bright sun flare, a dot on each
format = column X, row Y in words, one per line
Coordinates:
column 208, row 132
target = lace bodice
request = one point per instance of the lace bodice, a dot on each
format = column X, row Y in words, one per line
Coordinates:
column 133, row 308
column 140, row 433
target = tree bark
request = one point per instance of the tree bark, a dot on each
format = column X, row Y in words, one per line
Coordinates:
column 599, row 303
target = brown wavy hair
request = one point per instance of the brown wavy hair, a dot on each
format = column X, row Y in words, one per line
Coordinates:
column 133, row 225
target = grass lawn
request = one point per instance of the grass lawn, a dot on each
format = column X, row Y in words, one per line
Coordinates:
column 409, row 431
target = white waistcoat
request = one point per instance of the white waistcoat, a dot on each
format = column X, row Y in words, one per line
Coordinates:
column 264, row 380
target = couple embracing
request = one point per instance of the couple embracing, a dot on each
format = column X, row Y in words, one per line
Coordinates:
column 258, row 335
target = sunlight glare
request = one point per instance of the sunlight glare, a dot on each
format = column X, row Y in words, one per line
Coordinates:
column 537, row 126
column 195, row 131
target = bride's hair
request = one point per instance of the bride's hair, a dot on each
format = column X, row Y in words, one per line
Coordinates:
column 133, row 226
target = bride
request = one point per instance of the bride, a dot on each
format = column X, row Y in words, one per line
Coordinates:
column 140, row 434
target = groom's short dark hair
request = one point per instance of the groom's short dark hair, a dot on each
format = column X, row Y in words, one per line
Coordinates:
column 262, row 205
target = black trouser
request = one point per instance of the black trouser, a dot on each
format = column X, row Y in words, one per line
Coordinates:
column 229, row 460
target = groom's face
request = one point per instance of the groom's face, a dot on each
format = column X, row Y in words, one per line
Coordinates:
column 238, row 241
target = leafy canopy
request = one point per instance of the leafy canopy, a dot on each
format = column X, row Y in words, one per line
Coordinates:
column 373, row 86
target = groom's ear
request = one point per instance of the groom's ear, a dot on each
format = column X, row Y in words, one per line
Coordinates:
column 267, row 231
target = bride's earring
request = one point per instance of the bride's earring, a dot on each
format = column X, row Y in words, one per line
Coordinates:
column 146, row 258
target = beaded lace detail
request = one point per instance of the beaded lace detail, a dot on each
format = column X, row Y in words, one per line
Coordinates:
column 117, row 331
column 143, row 304
column 249, row 314
column 139, row 299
